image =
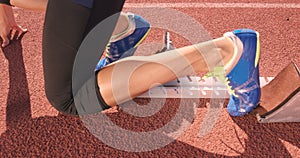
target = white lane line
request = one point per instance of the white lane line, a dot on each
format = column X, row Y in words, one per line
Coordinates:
column 213, row 5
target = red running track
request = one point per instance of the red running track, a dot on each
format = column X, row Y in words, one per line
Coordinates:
column 29, row 126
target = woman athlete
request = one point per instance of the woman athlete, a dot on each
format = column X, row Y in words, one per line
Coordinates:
column 67, row 22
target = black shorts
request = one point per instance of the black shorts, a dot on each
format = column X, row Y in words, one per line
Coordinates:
column 7, row 2
column 66, row 25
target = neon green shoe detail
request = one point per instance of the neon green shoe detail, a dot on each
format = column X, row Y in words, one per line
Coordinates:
column 257, row 50
column 219, row 72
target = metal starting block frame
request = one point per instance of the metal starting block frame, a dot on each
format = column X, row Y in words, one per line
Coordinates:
column 194, row 87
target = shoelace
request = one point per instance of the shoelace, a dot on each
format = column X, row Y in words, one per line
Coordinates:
column 219, row 72
column 107, row 48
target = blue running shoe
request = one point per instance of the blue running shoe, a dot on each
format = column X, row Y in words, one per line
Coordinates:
column 243, row 79
column 125, row 44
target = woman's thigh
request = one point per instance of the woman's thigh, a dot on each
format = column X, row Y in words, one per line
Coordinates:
column 66, row 25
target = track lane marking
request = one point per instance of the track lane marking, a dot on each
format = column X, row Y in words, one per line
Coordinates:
column 213, row 5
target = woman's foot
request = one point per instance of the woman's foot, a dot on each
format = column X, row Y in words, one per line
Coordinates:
column 244, row 78
column 125, row 43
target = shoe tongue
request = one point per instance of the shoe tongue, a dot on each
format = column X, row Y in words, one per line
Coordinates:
column 238, row 50
column 130, row 22
column 218, row 71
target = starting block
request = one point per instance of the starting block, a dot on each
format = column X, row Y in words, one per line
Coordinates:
column 280, row 99
column 280, row 95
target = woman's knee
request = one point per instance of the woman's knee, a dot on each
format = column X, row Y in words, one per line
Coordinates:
column 62, row 102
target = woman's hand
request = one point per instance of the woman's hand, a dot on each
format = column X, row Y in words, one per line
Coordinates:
column 4, row 26
column 9, row 29
column 16, row 30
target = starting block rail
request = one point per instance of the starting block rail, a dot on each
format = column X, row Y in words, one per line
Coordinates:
column 194, row 87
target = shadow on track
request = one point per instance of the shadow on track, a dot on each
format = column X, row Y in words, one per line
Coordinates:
column 266, row 139
column 18, row 93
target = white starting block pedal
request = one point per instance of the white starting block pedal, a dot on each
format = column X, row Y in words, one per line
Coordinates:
column 193, row 87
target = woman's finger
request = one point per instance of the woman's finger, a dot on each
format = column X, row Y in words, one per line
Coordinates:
column 5, row 40
column 12, row 34
column 20, row 31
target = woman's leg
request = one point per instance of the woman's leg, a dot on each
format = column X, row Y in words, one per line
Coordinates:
column 64, row 28
column 130, row 77
column 66, row 24
column 102, row 10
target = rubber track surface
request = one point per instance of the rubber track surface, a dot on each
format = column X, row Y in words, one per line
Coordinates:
column 30, row 127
